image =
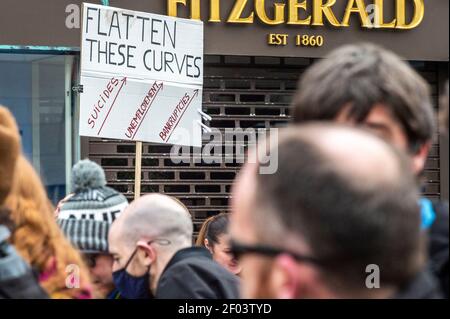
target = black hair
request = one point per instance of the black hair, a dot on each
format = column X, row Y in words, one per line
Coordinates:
column 360, row 77
column 212, row 229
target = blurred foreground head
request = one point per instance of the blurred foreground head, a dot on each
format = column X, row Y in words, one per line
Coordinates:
column 370, row 86
column 341, row 200
column 29, row 214
column 9, row 151
column 444, row 110
column 37, row 237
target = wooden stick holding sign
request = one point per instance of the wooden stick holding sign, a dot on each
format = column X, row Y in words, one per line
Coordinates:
column 137, row 171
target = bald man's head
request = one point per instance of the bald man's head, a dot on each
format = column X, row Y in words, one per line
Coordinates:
column 143, row 240
column 364, row 160
column 154, row 216
column 341, row 195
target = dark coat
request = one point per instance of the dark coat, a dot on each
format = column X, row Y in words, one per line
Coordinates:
column 423, row 286
column 193, row 274
column 17, row 281
column 25, row 286
column 438, row 245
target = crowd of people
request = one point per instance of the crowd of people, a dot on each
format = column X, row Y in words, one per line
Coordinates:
column 341, row 217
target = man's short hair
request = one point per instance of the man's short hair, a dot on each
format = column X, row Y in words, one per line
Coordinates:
column 157, row 216
column 347, row 218
column 360, row 77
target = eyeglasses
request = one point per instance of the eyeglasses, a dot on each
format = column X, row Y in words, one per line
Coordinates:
column 160, row 241
column 238, row 250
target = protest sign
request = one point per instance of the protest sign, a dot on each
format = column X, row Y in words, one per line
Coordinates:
column 142, row 76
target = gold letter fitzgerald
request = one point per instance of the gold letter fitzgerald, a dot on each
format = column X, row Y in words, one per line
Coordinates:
column 379, row 18
column 361, row 9
column 235, row 15
column 214, row 13
column 294, row 6
column 419, row 13
column 261, row 12
column 172, row 8
column 319, row 9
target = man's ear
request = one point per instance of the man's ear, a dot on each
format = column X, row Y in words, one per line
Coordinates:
column 292, row 280
column 146, row 253
column 420, row 157
column 284, row 278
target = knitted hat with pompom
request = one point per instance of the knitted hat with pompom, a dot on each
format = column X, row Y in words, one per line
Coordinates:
column 92, row 199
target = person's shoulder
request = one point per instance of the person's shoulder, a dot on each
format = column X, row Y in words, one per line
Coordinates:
column 198, row 277
column 423, row 286
column 439, row 243
column 441, row 207
column 199, row 263
column 193, row 264
column 441, row 223
column 186, row 267
column 209, row 271
column 183, row 280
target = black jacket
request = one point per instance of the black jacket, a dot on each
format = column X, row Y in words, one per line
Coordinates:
column 17, row 280
column 424, row 286
column 438, row 245
column 25, row 286
column 192, row 274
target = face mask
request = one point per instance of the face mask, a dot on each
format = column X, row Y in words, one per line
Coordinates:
column 131, row 287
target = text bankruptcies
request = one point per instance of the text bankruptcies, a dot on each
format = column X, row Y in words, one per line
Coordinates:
column 176, row 115
column 309, row 12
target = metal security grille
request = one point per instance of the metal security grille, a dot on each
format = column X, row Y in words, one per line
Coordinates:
column 431, row 176
column 238, row 92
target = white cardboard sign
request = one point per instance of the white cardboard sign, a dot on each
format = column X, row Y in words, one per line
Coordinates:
column 142, row 76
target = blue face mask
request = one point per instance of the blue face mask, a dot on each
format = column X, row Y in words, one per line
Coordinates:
column 131, row 287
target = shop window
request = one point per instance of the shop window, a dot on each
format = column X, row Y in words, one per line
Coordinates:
column 37, row 90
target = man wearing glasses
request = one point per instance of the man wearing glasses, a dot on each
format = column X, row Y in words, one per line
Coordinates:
column 367, row 86
column 329, row 223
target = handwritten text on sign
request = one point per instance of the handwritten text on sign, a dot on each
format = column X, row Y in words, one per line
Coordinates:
column 142, row 76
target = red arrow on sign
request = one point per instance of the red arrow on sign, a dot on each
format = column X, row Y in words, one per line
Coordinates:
column 160, row 87
column 124, row 81
column 184, row 110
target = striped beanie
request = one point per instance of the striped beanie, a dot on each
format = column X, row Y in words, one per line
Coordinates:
column 89, row 236
column 91, row 198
